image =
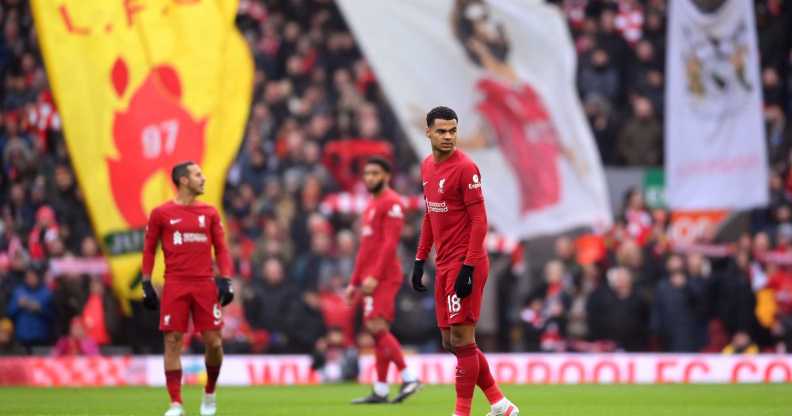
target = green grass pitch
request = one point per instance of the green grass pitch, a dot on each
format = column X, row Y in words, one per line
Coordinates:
column 331, row 400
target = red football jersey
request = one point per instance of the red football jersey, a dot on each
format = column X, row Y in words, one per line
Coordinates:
column 455, row 219
column 187, row 233
column 380, row 231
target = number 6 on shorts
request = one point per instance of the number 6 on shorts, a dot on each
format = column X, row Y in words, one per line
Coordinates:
column 368, row 305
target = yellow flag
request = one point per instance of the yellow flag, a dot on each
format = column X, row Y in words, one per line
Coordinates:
column 142, row 85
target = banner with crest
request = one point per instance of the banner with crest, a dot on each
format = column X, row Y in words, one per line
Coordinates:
column 715, row 138
column 141, row 86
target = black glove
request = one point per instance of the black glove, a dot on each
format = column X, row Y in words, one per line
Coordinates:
column 225, row 293
column 150, row 299
column 417, row 274
column 464, row 281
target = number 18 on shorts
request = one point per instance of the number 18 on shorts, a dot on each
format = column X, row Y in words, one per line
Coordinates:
column 450, row 309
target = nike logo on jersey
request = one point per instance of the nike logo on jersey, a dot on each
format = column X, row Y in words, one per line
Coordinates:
column 176, row 221
column 453, row 315
column 423, row 184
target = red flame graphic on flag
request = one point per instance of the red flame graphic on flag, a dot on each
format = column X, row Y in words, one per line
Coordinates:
column 153, row 134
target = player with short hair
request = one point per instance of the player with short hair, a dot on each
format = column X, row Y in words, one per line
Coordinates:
column 456, row 224
column 378, row 278
column 188, row 230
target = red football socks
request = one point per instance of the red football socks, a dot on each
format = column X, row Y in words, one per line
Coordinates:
column 485, row 380
column 381, row 357
column 173, row 379
column 212, row 372
column 386, row 350
column 394, row 350
column 467, row 374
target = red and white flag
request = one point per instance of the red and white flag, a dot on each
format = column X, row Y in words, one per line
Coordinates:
column 508, row 69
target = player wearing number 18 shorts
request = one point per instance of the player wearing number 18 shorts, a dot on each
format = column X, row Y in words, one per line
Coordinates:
column 455, row 222
column 378, row 277
column 188, row 230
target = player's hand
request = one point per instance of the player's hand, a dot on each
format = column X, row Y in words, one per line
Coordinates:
column 368, row 286
column 225, row 293
column 464, row 282
column 349, row 294
column 417, row 274
column 150, row 299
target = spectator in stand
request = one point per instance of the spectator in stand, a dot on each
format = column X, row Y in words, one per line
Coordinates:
column 618, row 313
column 599, row 77
column 7, row 282
column 637, row 216
column 772, row 87
column 565, row 253
column 315, row 266
column 735, row 299
column 254, row 169
column 779, row 136
column 305, row 323
column 9, row 345
column 411, row 325
column 346, row 251
column 676, row 318
column 646, row 60
column 101, row 315
column 532, row 324
column 66, row 200
column 267, row 301
column 630, row 256
column 337, row 312
column 20, row 211
column 19, row 159
column 76, row 343
column 556, row 299
column 69, row 297
column 273, row 243
column 641, row 138
column 612, row 42
column 646, row 76
column 597, row 301
column 781, row 284
column 32, row 311
column 654, row 30
column 334, row 359
column 603, row 122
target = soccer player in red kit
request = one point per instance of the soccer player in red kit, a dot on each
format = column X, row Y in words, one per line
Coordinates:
column 378, row 278
column 188, row 229
column 456, row 224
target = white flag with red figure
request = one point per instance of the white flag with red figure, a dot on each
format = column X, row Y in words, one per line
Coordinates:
column 507, row 67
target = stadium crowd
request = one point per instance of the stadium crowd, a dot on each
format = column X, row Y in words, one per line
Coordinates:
column 292, row 199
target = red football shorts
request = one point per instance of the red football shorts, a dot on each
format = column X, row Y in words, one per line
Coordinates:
column 381, row 303
column 449, row 309
column 183, row 298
